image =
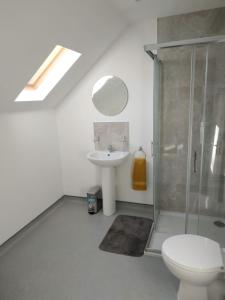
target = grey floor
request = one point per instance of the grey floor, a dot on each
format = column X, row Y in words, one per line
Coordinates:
column 58, row 258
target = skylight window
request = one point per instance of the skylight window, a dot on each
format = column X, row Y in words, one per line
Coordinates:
column 59, row 61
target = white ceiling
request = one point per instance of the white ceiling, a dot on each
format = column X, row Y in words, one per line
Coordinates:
column 30, row 29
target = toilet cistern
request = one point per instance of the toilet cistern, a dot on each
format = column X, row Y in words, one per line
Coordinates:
column 108, row 161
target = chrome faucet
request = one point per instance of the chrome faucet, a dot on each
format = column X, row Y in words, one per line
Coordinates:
column 110, row 148
column 97, row 139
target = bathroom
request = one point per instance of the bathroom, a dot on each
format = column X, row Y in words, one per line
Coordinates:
column 163, row 55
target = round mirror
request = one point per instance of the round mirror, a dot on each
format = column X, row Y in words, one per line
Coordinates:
column 110, row 95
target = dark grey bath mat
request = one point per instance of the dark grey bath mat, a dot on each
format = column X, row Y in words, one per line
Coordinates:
column 127, row 235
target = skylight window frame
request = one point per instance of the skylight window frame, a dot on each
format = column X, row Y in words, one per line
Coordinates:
column 52, row 70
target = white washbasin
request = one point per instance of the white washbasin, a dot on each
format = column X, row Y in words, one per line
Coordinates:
column 106, row 158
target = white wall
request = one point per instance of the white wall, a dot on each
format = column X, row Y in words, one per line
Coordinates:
column 30, row 173
column 75, row 117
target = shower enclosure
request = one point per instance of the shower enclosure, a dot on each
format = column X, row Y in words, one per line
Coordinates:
column 189, row 139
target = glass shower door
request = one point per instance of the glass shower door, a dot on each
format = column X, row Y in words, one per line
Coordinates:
column 205, row 211
column 195, row 136
column 211, row 206
column 156, row 139
column 172, row 79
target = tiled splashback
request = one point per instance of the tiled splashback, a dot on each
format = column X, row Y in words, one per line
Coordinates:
column 111, row 133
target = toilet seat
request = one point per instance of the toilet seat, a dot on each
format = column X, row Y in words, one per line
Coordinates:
column 193, row 253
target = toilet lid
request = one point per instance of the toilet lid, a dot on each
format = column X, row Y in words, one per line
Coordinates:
column 193, row 252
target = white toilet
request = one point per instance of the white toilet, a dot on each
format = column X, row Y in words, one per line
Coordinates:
column 196, row 261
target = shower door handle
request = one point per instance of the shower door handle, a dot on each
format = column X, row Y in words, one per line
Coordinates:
column 152, row 149
column 195, row 162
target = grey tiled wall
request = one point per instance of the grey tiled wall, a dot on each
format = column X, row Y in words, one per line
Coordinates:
column 111, row 133
column 192, row 25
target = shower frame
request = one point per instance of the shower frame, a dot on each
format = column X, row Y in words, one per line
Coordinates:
column 149, row 49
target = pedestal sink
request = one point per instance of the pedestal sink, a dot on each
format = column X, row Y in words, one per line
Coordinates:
column 108, row 161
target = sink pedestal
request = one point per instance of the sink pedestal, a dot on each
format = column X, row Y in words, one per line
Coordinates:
column 108, row 161
column 108, row 190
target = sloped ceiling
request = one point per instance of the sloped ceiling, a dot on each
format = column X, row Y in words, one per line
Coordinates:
column 30, row 29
